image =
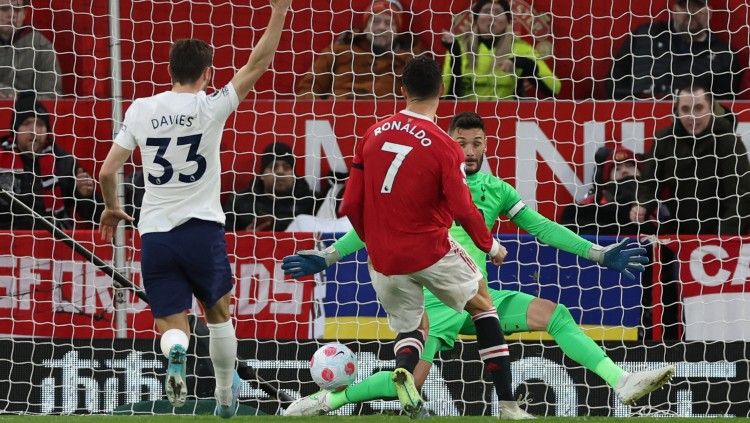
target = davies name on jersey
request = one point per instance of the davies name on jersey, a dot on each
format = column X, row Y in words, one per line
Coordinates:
column 182, row 120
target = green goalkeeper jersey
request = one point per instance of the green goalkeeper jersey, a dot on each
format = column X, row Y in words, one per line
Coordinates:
column 494, row 198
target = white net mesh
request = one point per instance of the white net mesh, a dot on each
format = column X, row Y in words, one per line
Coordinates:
column 688, row 200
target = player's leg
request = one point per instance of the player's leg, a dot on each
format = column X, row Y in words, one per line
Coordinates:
column 379, row 385
column 523, row 312
column 222, row 349
column 557, row 321
column 174, row 343
column 212, row 283
column 445, row 324
column 401, row 297
column 493, row 350
column 169, row 295
column 457, row 282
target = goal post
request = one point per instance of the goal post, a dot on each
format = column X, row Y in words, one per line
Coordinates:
column 73, row 343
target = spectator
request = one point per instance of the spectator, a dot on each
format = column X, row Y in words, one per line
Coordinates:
column 660, row 56
column 327, row 218
column 274, row 198
column 606, row 209
column 364, row 64
column 27, row 59
column 42, row 175
column 700, row 170
column 489, row 62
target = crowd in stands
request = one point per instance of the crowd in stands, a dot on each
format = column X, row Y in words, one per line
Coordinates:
column 28, row 61
column 42, row 175
column 695, row 179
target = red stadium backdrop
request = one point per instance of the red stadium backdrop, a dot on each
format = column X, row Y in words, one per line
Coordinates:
column 714, row 273
column 48, row 291
column 586, row 34
column 545, row 149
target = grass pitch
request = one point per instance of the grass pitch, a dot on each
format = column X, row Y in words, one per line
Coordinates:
column 331, row 419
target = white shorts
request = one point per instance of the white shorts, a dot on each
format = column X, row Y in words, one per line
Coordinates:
column 454, row 279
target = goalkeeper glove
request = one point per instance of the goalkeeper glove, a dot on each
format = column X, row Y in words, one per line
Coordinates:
column 309, row 262
column 619, row 257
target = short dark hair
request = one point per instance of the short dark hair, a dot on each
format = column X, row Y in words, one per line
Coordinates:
column 422, row 78
column 466, row 120
column 693, row 87
column 188, row 59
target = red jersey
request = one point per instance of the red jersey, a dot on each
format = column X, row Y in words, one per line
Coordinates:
column 406, row 188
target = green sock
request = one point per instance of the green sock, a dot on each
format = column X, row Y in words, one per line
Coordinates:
column 377, row 386
column 609, row 371
column 580, row 348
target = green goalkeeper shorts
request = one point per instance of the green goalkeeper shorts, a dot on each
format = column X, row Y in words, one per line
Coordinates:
column 446, row 324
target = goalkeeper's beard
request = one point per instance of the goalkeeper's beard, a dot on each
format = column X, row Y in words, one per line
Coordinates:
column 478, row 166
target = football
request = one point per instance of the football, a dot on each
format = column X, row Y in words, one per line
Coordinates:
column 333, row 366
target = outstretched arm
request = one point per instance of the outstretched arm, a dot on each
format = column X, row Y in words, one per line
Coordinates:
column 310, row 262
column 620, row 257
column 263, row 52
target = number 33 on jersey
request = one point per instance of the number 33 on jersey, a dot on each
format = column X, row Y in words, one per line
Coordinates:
column 179, row 137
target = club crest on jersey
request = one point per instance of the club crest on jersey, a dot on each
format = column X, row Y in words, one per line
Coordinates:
column 223, row 92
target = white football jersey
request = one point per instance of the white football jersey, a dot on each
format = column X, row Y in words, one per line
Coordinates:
column 179, row 135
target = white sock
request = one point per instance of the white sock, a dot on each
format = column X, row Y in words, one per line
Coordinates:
column 173, row 337
column 222, row 348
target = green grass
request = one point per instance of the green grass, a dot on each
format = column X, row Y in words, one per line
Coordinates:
column 322, row 419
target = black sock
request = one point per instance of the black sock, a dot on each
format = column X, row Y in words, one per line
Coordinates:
column 408, row 349
column 494, row 353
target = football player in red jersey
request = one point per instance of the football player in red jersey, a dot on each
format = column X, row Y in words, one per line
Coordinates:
column 407, row 187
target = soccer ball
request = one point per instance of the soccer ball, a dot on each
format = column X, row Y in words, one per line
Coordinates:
column 333, row 366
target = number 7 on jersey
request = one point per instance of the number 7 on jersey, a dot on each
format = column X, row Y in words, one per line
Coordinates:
column 401, row 152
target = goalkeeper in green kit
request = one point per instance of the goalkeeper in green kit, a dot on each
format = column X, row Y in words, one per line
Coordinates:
column 518, row 311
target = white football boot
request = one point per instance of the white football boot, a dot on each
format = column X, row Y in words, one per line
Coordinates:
column 509, row 410
column 634, row 386
column 316, row 404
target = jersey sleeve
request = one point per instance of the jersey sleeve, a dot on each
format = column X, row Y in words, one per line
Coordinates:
column 459, row 199
column 547, row 231
column 352, row 206
column 221, row 103
column 348, row 244
column 509, row 199
column 125, row 137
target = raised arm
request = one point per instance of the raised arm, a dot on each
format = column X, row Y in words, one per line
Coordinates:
column 259, row 60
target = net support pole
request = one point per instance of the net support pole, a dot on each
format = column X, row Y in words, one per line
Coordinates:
column 120, row 299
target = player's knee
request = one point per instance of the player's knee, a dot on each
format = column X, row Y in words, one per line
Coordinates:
column 219, row 313
column 548, row 309
column 539, row 313
column 479, row 304
column 560, row 310
column 559, row 318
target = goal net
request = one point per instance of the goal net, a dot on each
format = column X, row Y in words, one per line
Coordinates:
column 596, row 113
